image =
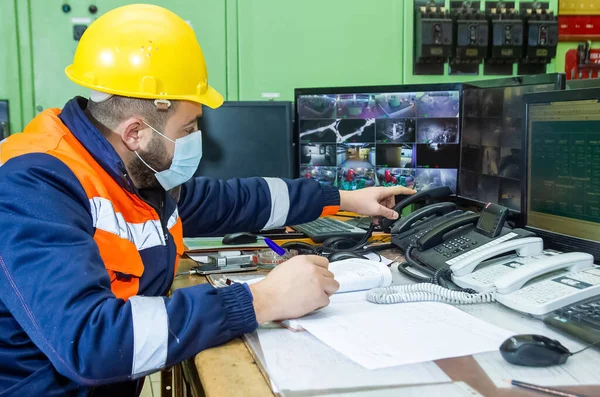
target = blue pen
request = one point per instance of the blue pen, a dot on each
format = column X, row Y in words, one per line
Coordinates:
column 277, row 249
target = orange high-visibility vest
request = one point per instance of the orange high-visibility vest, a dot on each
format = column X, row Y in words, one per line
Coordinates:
column 124, row 223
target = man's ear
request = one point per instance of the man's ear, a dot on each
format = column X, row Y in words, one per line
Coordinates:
column 130, row 133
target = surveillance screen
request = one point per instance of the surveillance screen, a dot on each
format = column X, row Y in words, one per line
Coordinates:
column 358, row 140
column 491, row 168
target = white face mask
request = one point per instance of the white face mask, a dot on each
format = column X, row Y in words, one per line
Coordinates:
column 187, row 156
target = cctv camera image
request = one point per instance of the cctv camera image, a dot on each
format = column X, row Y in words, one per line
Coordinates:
column 356, row 155
column 510, row 194
column 317, row 106
column 318, row 154
column 324, row 175
column 396, row 156
column 491, row 132
column 397, row 105
column 491, row 160
column 395, row 130
column 490, row 102
column 471, row 100
column 396, row 177
column 357, row 106
column 468, row 183
column 510, row 163
column 512, row 132
column 318, row 131
column 436, row 155
column 437, row 130
column 471, row 158
column 356, row 130
column 350, row 178
column 471, row 131
column 433, row 178
column 488, row 189
column 349, row 130
column 438, row 104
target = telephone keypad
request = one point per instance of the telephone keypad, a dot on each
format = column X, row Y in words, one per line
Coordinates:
column 454, row 246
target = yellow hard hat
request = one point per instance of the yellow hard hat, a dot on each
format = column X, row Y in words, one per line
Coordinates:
column 143, row 51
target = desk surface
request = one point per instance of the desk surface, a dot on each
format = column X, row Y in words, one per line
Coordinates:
column 230, row 370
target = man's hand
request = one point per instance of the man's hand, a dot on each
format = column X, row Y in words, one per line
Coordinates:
column 293, row 289
column 373, row 201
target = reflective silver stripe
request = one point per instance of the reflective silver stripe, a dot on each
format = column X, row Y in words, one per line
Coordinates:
column 1, row 142
column 173, row 219
column 280, row 203
column 150, row 334
column 144, row 235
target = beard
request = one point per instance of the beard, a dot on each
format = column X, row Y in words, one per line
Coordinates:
column 157, row 157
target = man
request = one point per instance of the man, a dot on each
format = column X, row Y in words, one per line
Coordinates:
column 94, row 202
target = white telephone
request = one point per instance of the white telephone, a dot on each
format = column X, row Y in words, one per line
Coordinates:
column 527, row 246
column 528, row 281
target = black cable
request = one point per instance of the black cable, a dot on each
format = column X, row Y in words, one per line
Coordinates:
column 585, row 348
column 403, row 268
column 331, row 245
column 441, row 277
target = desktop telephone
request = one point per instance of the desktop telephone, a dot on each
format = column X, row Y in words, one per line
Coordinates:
column 531, row 281
column 455, row 240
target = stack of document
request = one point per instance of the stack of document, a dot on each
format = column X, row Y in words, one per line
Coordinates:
column 358, row 345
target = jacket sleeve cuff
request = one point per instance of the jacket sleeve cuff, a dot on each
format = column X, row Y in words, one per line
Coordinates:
column 331, row 202
column 237, row 302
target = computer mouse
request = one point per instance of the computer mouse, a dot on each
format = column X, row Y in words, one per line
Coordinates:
column 239, row 238
column 534, row 351
column 340, row 256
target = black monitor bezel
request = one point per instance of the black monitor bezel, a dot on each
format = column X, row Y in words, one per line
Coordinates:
column 554, row 240
column 376, row 89
column 558, row 79
column 6, row 132
column 287, row 106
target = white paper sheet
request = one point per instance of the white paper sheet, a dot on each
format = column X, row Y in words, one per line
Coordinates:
column 360, row 274
column 297, row 361
column 380, row 336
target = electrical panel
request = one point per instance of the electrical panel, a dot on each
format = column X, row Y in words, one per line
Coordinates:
column 470, row 39
column 507, row 38
column 433, row 39
column 498, row 34
column 542, row 38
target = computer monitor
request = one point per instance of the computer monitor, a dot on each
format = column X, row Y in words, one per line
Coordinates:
column 246, row 139
column 355, row 137
column 4, row 120
column 563, row 172
column 492, row 167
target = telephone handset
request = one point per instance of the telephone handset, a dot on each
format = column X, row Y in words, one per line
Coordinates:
column 527, row 246
column 433, row 210
column 437, row 193
column 572, row 261
column 508, row 277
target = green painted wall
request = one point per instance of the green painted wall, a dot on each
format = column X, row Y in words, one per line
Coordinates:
column 9, row 64
column 251, row 46
column 285, row 44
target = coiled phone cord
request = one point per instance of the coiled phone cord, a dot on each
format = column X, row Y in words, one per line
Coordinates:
column 425, row 292
column 433, row 289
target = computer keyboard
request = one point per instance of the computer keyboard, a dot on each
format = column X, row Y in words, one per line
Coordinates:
column 581, row 320
column 324, row 228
